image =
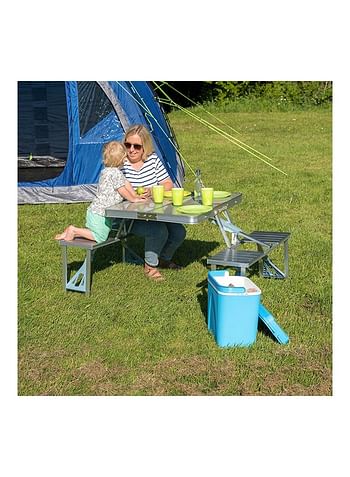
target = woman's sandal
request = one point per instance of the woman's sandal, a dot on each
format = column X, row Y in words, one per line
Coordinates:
column 153, row 273
column 169, row 265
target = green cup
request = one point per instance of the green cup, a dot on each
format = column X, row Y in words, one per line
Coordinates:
column 158, row 194
column 207, row 195
column 177, row 195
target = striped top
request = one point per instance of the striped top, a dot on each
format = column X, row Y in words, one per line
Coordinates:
column 151, row 173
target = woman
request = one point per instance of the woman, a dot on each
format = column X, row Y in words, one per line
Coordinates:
column 144, row 168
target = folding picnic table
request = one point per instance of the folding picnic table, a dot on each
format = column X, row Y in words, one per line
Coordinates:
column 232, row 255
column 166, row 212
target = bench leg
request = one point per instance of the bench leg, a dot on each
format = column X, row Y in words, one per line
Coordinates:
column 267, row 267
column 88, row 271
column 286, row 270
column 123, row 251
column 81, row 280
column 242, row 271
column 64, row 267
column 261, row 262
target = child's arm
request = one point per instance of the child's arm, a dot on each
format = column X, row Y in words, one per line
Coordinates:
column 128, row 193
column 129, row 187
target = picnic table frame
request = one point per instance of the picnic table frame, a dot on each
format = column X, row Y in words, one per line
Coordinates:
column 166, row 212
column 233, row 255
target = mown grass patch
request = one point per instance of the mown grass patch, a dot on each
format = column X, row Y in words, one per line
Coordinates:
column 136, row 337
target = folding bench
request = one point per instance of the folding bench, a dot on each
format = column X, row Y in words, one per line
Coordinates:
column 237, row 257
column 81, row 280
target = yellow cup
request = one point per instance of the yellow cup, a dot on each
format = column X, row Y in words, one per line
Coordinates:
column 158, row 194
column 207, row 195
column 177, row 195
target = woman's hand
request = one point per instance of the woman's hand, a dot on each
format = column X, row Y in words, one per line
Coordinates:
column 147, row 193
column 168, row 184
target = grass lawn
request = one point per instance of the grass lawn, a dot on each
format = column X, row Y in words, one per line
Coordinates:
column 136, row 337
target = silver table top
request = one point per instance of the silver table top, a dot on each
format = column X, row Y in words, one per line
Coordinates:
column 166, row 212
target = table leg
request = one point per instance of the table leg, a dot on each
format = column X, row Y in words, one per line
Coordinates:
column 217, row 219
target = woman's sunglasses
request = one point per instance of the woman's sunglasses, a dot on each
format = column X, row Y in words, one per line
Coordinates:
column 137, row 147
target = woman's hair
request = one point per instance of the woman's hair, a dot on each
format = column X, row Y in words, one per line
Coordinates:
column 146, row 138
column 114, row 153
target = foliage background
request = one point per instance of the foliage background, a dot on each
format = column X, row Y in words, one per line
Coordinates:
column 270, row 94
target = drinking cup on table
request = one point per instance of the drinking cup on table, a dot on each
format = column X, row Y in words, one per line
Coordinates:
column 177, row 195
column 158, row 194
column 207, row 195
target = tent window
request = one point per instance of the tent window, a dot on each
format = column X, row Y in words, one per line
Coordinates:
column 93, row 105
column 39, row 93
column 43, row 149
column 42, row 120
column 41, row 132
column 40, row 114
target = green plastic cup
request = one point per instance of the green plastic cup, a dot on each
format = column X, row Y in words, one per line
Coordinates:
column 207, row 195
column 158, row 194
column 177, row 195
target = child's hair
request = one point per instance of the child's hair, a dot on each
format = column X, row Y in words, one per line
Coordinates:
column 114, row 153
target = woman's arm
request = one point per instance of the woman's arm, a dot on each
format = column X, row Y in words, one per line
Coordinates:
column 167, row 183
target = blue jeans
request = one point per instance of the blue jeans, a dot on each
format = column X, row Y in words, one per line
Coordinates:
column 162, row 239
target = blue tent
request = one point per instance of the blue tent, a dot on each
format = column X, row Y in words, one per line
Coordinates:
column 62, row 126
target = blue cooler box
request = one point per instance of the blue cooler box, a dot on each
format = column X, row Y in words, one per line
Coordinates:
column 233, row 309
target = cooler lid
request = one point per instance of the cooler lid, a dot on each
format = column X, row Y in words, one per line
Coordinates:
column 269, row 320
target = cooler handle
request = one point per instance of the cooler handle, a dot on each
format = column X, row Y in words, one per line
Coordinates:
column 236, row 289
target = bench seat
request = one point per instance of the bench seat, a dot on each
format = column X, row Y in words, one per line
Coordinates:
column 244, row 259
